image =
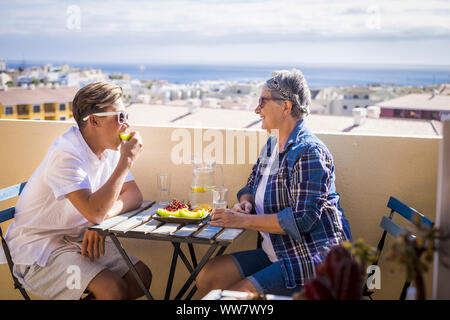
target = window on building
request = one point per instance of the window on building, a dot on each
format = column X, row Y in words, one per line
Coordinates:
column 22, row 109
column 9, row 111
column 434, row 115
column 398, row 113
column 36, row 108
column 49, row 108
column 62, row 107
column 414, row 114
column 62, row 118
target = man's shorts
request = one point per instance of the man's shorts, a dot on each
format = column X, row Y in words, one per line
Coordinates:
column 66, row 274
column 267, row 277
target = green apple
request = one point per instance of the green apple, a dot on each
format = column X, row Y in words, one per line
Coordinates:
column 124, row 136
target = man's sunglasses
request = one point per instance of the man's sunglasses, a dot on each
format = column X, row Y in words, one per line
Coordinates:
column 122, row 116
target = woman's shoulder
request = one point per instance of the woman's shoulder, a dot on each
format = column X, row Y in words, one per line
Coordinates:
column 308, row 142
column 308, row 147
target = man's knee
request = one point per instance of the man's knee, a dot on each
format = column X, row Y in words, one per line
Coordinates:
column 134, row 289
column 108, row 286
column 118, row 290
column 145, row 273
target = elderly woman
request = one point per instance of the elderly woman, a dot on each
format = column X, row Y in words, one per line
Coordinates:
column 290, row 198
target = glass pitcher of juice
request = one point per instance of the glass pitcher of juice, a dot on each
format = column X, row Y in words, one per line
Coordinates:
column 202, row 182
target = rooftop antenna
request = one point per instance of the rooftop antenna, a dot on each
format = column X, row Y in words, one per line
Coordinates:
column 142, row 69
column 23, row 65
column 434, row 93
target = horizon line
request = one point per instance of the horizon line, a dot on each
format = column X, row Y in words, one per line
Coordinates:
column 227, row 63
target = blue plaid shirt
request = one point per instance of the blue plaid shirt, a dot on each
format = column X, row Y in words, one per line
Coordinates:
column 301, row 191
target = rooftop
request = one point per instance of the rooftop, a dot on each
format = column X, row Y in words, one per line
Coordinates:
column 15, row 95
column 147, row 114
column 423, row 101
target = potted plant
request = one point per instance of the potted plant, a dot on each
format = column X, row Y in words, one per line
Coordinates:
column 341, row 276
column 414, row 250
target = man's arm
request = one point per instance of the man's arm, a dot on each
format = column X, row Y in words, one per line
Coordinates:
column 130, row 198
column 95, row 206
column 113, row 197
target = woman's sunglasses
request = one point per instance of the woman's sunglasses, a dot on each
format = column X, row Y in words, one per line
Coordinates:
column 122, row 116
column 262, row 100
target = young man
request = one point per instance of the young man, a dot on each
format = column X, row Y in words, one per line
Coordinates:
column 83, row 180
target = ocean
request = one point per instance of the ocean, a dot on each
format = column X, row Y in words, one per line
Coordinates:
column 317, row 76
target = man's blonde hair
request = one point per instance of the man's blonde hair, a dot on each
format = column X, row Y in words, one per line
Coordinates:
column 92, row 98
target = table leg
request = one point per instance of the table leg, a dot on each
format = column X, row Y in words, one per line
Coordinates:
column 131, row 266
column 194, row 289
column 184, row 259
column 172, row 270
column 192, row 252
column 221, row 250
column 196, row 271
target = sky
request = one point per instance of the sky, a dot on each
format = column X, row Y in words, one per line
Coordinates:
column 227, row 32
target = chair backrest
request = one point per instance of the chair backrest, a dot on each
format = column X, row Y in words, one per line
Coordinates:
column 8, row 193
column 407, row 212
column 5, row 215
column 394, row 229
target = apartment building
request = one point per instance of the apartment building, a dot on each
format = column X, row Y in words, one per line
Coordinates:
column 429, row 106
column 36, row 103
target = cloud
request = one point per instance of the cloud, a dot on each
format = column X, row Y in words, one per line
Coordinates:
column 238, row 20
column 161, row 29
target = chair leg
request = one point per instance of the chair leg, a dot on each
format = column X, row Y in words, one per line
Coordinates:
column 404, row 290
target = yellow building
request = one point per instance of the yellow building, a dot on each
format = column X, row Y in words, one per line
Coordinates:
column 32, row 103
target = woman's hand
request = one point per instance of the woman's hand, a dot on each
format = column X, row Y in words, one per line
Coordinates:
column 244, row 206
column 93, row 243
column 227, row 218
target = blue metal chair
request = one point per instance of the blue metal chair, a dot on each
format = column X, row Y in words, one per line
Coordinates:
column 8, row 214
column 5, row 215
column 389, row 226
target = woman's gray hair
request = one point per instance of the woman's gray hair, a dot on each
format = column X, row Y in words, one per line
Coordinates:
column 291, row 85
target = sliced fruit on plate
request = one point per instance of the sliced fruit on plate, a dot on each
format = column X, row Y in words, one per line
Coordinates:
column 191, row 214
column 167, row 213
column 183, row 210
column 207, row 207
column 183, row 213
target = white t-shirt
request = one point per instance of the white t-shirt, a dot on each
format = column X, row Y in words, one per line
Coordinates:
column 43, row 214
column 267, row 245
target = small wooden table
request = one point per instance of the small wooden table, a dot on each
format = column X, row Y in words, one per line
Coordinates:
column 140, row 224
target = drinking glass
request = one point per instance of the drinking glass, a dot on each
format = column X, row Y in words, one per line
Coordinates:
column 163, row 183
column 220, row 198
